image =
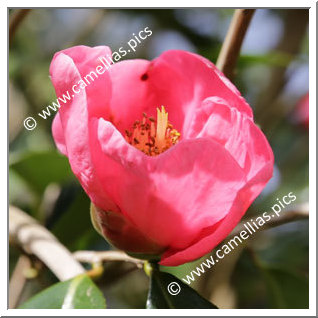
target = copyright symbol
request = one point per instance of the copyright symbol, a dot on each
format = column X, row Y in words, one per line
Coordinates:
column 174, row 288
column 29, row 123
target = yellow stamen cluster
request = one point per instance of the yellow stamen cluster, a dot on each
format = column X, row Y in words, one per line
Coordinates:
column 153, row 136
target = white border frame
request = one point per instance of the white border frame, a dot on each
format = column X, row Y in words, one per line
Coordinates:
column 312, row 163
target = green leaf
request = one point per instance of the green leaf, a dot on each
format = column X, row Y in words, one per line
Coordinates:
column 77, row 293
column 278, row 59
column 42, row 168
column 77, row 217
column 181, row 295
column 286, row 289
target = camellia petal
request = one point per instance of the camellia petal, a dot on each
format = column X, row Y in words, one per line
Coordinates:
column 74, row 119
column 193, row 171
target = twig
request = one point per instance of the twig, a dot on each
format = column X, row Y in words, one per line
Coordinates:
column 18, row 280
column 233, row 41
column 106, row 256
column 37, row 240
column 15, row 20
column 299, row 212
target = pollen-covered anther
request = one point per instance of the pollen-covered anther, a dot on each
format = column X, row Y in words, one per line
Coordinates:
column 153, row 136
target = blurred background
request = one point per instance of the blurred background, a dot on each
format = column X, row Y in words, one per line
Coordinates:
column 271, row 270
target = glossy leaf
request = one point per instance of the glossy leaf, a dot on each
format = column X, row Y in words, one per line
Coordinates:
column 262, row 284
column 77, row 293
column 75, row 216
column 167, row 292
column 286, row 289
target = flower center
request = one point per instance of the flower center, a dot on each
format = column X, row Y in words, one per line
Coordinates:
column 153, row 136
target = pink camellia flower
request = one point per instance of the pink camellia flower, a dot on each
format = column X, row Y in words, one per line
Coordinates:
column 167, row 150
